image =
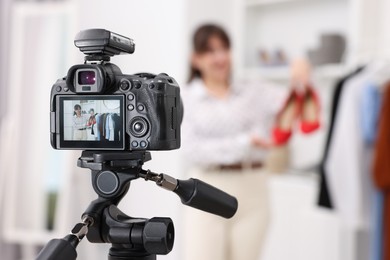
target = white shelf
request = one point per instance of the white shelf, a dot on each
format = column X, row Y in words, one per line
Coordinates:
column 254, row 3
column 331, row 71
column 293, row 27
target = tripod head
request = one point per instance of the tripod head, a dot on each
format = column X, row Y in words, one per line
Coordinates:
column 132, row 238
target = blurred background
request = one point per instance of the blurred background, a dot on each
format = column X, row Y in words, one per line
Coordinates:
column 43, row 193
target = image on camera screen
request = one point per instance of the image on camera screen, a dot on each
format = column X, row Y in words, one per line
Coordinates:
column 89, row 122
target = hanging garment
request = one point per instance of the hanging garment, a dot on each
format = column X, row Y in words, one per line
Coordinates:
column 381, row 173
column 98, row 126
column 108, row 127
column 348, row 167
column 324, row 198
column 91, row 123
column 370, row 110
column 103, row 124
column 348, row 157
column 117, row 126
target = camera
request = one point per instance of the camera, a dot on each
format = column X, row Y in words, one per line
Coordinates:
column 96, row 107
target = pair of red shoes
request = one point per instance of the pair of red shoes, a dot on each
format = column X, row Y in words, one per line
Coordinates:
column 305, row 107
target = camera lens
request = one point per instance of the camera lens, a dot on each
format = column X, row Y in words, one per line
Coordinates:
column 87, row 77
column 138, row 126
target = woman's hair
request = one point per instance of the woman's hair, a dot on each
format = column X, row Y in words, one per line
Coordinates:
column 200, row 43
column 76, row 107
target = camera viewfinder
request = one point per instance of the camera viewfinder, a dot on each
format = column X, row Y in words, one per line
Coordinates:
column 87, row 77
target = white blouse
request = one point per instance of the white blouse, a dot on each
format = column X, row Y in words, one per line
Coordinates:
column 218, row 131
column 80, row 122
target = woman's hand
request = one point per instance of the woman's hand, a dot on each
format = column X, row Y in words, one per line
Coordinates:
column 261, row 143
column 300, row 70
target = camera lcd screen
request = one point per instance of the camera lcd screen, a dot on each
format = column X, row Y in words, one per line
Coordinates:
column 91, row 122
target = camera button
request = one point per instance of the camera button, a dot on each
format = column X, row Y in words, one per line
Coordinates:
column 143, row 144
column 125, row 85
column 58, row 88
column 130, row 107
column 141, row 107
column 134, row 144
column 66, row 89
column 130, row 97
column 138, row 126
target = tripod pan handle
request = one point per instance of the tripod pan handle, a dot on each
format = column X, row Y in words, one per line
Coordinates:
column 198, row 194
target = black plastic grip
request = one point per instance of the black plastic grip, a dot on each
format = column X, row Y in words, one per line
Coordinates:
column 59, row 249
column 198, row 194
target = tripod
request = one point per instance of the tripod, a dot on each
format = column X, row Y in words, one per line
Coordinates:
column 131, row 238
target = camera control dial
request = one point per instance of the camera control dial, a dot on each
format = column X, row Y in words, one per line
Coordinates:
column 125, row 85
column 139, row 126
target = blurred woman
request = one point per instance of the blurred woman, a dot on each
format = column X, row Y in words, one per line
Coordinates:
column 79, row 124
column 226, row 133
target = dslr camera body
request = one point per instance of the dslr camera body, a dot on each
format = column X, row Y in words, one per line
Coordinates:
column 96, row 107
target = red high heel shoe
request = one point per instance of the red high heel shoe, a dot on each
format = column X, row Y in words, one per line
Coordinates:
column 310, row 115
column 286, row 118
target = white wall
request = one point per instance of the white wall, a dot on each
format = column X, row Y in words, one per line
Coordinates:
column 4, row 30
column 7, row 250
column 203, row 11
column 156, row 26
